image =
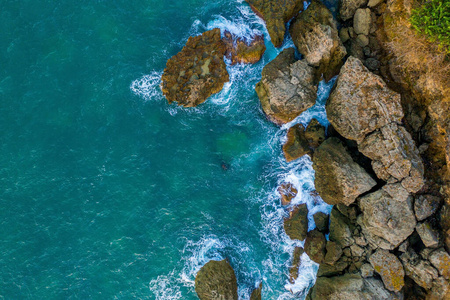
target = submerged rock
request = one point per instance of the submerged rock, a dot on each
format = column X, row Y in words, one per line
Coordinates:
column 315, row 35
column 240, row 50
column 216, row 281
column 338, row 178
column 296, row 225
column 276, row 13
column 287, row 87
column 197, row 71
column 287, row 192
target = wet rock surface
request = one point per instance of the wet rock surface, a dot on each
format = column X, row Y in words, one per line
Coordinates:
column 197, row 71
column 315, row 35
column 239, row 50
column 287, row 192
column 296, row 261
column 216, row 281
column 296, row 225
column 315, row 245
column 287, row 87
column 276, row 13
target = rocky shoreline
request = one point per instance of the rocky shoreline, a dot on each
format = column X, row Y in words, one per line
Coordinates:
column 383, row 162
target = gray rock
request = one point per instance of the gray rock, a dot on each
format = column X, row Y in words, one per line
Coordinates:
column 389, row 268
column 332, row 270
column 386, row 217
column 362, row 21
column 418, row 269
column 373, row 3
column 366, row 270
column 338, row 178
column 440, row 259
column 348, row 8
column 216, row 281
column 341, row 229
column 287, row 87
column 425, row 206
column 428, row 235
column 372, row 64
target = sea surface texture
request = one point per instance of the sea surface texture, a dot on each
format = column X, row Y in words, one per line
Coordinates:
column 109, row 192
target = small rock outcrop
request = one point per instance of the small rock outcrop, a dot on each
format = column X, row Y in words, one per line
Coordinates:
column 216, row 281
column 389, row 268
column 338, row 178
column 347, row 8
column 426, row 205
column 321, row 220
column 287, row 87
column 296, row 261
column 256, row 294
column 296, row 225
column 315, row 35
column 197, row 71
column 241, row 51
column 300, row 141
column 276, row 13
column 287, row 192
column 315, row 245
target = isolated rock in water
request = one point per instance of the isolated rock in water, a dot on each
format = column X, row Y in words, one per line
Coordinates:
column 296, row 261
column 296, row 226
column 387, row 217
column 338, row 178
column 425, row 206
column 256, row 294
column 276, row 13
column 361, row 102
column 321, row 220
column 287, row 192
column 394, row 156
column 287, row 87
column 418, row 269
column 197, row 71
column 315, row 245
column 296, row 145
column 390, row 269
column 315, row 35
column 440, row 259
column 240, row 50
column 347, row 8
column 315, row 134
column 216, row 281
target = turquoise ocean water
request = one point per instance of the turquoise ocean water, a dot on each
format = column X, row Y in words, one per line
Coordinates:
column 108, row 192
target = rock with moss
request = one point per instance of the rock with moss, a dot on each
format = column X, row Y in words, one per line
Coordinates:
column 338, row 178
column 287, row 192
column 315, row 35
column 341, row 229
column 276, row 13
column 287, row 87
column 315, row 245
column 216, row 281
column 418, row 269
column 440, row 259
column 389, row 268
column 296, row 225
column 240, row 50
column 197, row 71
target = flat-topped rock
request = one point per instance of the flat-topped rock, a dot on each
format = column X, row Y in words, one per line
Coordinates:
column 276, row 13
column 315, row 35
column 197, row 71
column 216, row 281
column 287, row 87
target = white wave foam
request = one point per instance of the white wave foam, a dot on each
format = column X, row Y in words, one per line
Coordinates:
column 165, row 288
column 147, row 86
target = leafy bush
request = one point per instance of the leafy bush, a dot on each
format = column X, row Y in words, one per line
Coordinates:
column 432, row 18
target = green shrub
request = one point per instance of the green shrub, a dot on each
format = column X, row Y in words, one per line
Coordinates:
column 432, row 19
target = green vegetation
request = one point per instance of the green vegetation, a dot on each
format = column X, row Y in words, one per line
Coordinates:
column 432, row 18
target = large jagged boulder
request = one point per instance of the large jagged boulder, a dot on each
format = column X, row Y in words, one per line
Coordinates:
column 315, row 35
column 338, row 178
column 240, row 50
column 395, row 157
column 361, row 102
column 276, row 13
column 287, row 87
column 387, row 218
column 197, row 71
column 389, row 268
column 296, row 225
column 315, row 245
column 216, row 281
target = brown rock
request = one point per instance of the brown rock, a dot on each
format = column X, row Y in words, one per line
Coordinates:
column 321, row 220
column 333, row 253
column 440, row 259
column 338, row 178
column 216, row 281
column 287, row 192
column 296, row 226
column 315, row 134
column 296, row 261
column 296, row 145
column 425, row 206
column 387, row 218
column 287, row 87
column 390, row 269
column 276, row 13
column 332, row 270
column 315, row 245
column 362, row 21
column 418, row 269
column 242, row 51
column 197, row 71
column 256, row 294
column 428, row 235
column 347, row 8
column 341, row 229
column 315, row 35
